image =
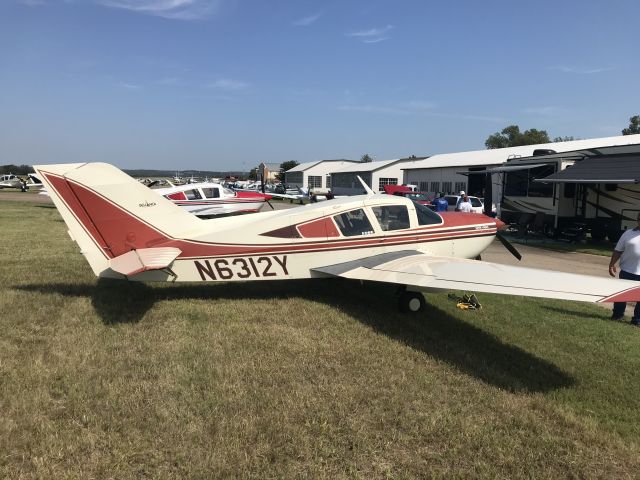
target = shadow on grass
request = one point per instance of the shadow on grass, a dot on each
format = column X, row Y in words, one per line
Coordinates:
column 435, row 332
column 574, row 313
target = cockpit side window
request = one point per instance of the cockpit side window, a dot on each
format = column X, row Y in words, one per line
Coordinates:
column 211, row 192
column 426, row 216
column 392, row 217
column 353, row 223
column 193, row 194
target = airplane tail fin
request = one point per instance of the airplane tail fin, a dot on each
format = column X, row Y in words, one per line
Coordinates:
column 109, row 214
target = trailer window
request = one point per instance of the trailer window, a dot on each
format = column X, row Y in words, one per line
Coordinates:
column 539, row 189
column 353, row 223
column 516, row 183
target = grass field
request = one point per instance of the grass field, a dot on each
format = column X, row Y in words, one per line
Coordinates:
column 311, row 379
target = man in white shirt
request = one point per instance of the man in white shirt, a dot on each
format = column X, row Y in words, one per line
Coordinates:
column 627, row 250
column 465, row 205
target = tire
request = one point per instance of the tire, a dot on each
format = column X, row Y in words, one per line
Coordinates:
column 411, row 302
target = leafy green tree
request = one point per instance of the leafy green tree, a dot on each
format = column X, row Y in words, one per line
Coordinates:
column 511, row 136
column 634, row 126
column 16, row 169
column 564, row 139
column 366, row 158
column 253, row 174
column 284, row 166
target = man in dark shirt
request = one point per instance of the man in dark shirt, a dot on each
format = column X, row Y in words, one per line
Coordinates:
column 440, row 203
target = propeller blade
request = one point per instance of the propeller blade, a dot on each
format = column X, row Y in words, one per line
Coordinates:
column 508, row 245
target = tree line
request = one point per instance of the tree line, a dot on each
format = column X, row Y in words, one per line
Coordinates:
column 511, row 136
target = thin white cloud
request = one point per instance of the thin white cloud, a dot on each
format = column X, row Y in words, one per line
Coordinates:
column 373, row 35
column 168, row 81
column 228, row 84
column 372, row 32
column 416, row 107
column 419, row 105
column 580, row 71
column 225, row 98
column 403, row 108
column 547, row 110
column 129, row 86
column 306, row 21
column 171, row 9
column 373, row 109
column 375, row 40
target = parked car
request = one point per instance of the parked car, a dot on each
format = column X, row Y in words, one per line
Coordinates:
column 454, row 200
column 419, row 197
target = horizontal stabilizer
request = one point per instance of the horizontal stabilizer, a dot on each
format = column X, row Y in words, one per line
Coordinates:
column 143, row 259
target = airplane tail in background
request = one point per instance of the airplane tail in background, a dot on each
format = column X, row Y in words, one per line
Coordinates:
column 109, row 215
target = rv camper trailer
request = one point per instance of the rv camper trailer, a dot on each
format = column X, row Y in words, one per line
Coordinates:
column 596, row 189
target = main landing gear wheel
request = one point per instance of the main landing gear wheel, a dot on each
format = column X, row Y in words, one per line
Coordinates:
column 411, row 302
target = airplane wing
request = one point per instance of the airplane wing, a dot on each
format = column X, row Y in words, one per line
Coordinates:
column 414, row 268
column 287, row 196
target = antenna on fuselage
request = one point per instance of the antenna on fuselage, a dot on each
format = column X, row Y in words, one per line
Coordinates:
column 367, row 188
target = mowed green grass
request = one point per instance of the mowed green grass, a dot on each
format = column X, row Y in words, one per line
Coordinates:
column 311, row 379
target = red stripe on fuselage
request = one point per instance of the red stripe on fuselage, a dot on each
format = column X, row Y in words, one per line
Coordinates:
column 117, row 231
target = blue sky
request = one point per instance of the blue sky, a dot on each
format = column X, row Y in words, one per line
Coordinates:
column 226, row 84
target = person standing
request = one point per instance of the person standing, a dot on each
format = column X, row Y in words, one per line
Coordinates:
column 465, row 205
column 440, row 203
column 627, row 251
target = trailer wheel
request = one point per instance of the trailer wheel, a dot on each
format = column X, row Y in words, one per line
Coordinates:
column 411, row 302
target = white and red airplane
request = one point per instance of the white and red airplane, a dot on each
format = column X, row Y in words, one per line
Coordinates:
column 206, row 199
column 126, row 231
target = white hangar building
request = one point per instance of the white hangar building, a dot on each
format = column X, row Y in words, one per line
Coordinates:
column 441, row 173
column 375, row 174
column 314, row 174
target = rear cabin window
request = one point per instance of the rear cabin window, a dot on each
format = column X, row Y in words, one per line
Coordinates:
column 192, row 194
column 520, row 183
column 392, row 217
column 211, row 192
column 426, row 216
column 539, row 189
column 353, row 223
column 516, row 183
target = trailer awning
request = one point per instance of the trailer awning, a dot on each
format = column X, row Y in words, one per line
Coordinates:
column 504, row 168
column 624, row 169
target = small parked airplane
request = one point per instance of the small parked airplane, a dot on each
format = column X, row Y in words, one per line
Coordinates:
column 126, row 231
column 206, row 199
column 11, row 181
